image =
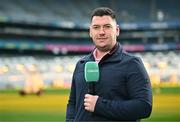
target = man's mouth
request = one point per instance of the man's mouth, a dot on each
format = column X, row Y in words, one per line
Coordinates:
column 102, row 38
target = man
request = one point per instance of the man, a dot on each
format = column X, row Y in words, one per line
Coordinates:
column 123, row 92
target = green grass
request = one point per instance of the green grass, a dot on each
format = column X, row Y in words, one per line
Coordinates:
column 33, row 116
column 166, row 107
column 51, row 106
column 31, row 108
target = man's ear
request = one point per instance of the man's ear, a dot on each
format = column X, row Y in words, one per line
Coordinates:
column 117, row 30
column 90, row 32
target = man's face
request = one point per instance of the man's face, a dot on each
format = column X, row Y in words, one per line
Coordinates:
column 104, row 31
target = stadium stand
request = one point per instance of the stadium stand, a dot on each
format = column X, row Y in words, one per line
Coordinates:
column 58, row 70
column 45, row 37
column 53, row 70
column 41, row 11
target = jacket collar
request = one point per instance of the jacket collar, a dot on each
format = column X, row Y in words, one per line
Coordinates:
column 117, row 50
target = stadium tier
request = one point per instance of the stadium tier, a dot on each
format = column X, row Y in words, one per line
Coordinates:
column 64, row 48
column 75, row 13
column 57, row 71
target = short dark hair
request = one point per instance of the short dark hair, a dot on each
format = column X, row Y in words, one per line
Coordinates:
column 101, row 11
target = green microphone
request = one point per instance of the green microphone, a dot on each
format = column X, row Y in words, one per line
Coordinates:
column 91, row 72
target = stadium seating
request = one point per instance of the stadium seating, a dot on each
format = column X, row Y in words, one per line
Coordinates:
column 57, row 71
column 55, row 11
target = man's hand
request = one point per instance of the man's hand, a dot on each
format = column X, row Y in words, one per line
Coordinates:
column 90, row 102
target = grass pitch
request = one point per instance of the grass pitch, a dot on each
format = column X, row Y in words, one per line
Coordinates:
column 51, row 106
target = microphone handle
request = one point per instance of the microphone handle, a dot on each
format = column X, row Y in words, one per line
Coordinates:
column 91, row 88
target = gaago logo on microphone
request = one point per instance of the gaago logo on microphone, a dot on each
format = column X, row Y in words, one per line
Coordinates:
column 91, row 71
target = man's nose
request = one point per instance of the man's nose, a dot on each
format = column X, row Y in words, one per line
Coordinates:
column 102, row 31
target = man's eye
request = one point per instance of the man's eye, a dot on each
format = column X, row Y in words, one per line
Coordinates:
column 95, row 27
column 107, row 26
